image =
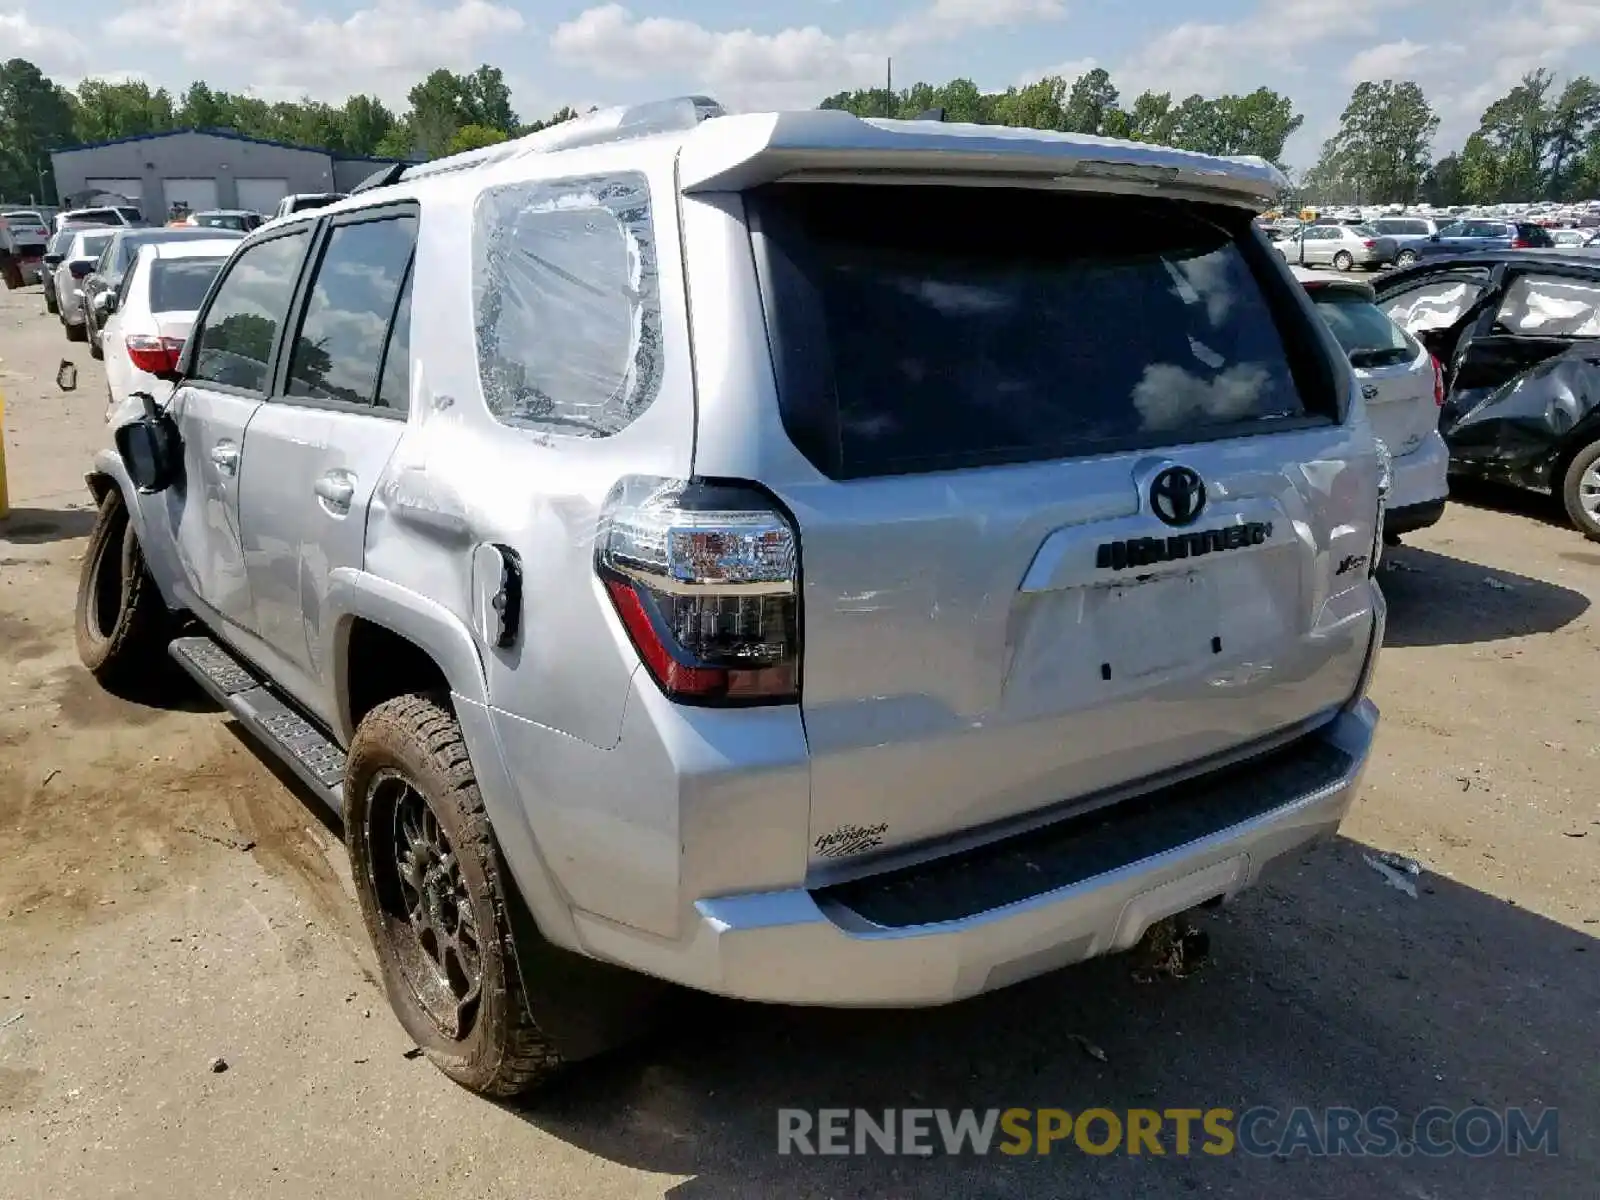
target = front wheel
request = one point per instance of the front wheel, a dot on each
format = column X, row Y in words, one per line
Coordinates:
column 50, row 302
column 433, row 895
column 1342, row 260
column 121, row 619
column 1580, row 491
column 76, row 333
column 1407, row 258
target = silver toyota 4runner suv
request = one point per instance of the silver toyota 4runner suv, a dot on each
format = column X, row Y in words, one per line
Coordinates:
column 803, row 558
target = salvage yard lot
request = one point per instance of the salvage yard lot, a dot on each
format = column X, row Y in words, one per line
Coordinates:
column 166, row 900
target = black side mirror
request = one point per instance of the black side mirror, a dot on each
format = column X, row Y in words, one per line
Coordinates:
column 151, row 448
column 106, row 302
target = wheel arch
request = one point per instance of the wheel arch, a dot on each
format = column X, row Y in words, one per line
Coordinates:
column 369, row 615
column 366, row 614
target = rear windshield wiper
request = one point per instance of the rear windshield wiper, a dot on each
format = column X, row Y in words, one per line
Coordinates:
column 1377, row 358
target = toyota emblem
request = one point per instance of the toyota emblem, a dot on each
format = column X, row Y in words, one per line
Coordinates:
column 1177, row 495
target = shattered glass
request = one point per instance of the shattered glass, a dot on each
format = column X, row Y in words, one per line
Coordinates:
column 566, row 304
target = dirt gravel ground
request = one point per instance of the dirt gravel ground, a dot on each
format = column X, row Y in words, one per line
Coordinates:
column 166, row 898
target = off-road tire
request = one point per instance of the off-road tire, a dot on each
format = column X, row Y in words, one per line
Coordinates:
column 1570, row 483
column 121, row 621
column 1342, row 261
column 418, row 739
column 76, row 333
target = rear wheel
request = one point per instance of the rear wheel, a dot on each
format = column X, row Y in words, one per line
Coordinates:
column 50, row 301
column 76, row 333
column 1342, row 260
column 433, row 896
column 1580, row 491
column 1407, row 258
column 121, row 619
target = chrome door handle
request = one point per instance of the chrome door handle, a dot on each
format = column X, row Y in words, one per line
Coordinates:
column 226, row 457
column 337, row 489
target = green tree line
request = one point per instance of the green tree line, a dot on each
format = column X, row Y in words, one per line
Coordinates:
column 1258, row 123
column 1536, row 142
column 445, row 113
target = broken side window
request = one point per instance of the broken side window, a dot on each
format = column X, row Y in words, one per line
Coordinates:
column 566, row 303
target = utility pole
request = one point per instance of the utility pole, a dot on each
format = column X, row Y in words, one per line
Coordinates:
column 888, row 81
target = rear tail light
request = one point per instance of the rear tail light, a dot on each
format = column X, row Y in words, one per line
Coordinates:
column 154, row 355
column 1438, row 382
column 705, row 578
column 1521, row 244
column 1370, row 244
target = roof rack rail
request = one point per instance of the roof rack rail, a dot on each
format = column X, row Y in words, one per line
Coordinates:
column 382, row 177
column 592, row 129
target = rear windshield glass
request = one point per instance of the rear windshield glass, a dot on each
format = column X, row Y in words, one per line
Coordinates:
column 1368, row 337
column 179, row 284
column 927, row 328
column 94, row 243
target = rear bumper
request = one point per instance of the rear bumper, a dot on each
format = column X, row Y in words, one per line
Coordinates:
column 1412, row 517
column 926, row 936
column 1418, row 484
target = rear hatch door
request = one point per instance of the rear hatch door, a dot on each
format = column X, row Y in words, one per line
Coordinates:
column 1078, row 511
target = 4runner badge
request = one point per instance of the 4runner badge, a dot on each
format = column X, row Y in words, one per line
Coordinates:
column 1142, row 552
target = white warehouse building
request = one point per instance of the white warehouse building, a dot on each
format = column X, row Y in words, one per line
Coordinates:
column 202, row 169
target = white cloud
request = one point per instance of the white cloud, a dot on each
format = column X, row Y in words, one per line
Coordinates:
column 1219, row 57
column 795, row 65
column 283, row 51
column 1391, row 60
column 45, row 46
column 1069, row 70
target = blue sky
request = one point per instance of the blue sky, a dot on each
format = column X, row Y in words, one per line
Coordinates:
column 762, row 53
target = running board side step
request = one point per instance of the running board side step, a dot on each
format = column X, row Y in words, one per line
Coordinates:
column 303, row 748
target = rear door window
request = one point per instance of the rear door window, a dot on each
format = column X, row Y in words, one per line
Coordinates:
column 235, row 340
column 930, row 328
column 339, row 349
column 1550, row 306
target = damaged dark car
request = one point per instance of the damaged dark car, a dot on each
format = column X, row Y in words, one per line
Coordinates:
column 1518, row 333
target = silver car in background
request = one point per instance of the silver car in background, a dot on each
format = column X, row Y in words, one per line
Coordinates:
column 1342, row 247
column 1408, row 233
column 76, row 267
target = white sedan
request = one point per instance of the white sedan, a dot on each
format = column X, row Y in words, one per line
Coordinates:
column 148, row 319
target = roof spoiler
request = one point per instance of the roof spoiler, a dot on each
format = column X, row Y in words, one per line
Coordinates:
column 761, row 148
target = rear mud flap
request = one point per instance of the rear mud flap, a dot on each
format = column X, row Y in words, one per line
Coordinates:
column 584, row 1006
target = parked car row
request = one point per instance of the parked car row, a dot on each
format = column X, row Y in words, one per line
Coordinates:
column 1402, row 241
